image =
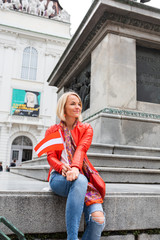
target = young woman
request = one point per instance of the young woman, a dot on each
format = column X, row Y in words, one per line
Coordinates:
column 69, row 173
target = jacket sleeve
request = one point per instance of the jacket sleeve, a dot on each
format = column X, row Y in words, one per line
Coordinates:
column 53, row 161
column 82, row 147
column 52, row 156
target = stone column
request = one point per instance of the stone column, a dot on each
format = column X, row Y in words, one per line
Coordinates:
column 113, row 74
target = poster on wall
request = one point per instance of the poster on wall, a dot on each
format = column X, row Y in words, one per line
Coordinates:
column 25, row 103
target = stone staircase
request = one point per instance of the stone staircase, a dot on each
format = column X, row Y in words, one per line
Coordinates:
column 115, row 163
column 131, row 203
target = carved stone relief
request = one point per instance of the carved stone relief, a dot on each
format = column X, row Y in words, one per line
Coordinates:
column 81, row 85
column 43, row 8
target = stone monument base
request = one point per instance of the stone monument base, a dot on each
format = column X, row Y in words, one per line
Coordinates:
column 113, row 126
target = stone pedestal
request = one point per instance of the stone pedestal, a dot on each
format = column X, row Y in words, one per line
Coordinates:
column 113, row 73
column 120, row 42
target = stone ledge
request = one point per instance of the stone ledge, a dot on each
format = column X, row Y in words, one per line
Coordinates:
column 123, row 237
column 124, row 149
column 43, row 212
column 109, row 174
column 149, row 237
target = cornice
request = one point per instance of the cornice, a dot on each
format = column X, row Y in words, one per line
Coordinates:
column 33, row 34
column 31, row 40
column 132, row 22
column 57, row 42
column 121, row 113
column 47, row 54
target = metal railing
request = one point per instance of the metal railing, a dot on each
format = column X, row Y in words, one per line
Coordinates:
column 18, row 233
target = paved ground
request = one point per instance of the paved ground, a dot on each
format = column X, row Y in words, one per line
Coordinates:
column 13, row 182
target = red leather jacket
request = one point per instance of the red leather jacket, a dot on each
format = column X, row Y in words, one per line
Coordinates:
column 82, row 135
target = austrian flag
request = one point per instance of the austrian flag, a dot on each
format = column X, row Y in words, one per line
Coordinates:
column 51, row 142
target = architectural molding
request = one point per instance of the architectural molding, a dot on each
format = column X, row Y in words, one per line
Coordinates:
column 13, row 47
column 24, row 33
column 31, row 84
column 8, row 44
column 144, row 24
column 132, row 22
column 24, row 121
column 47, row 54
column 125, row 113
column 57, row 42
column 8, row 31
column 17, row 133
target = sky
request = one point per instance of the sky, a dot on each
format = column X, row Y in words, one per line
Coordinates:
column 78, row 9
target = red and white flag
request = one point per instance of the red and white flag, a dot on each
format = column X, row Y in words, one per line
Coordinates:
column 54, row 141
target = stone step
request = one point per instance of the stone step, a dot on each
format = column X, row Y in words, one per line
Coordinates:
column 36, row 161
column 124, row 161
column 39, row 172
column 124, row 149
column 127, row 206
column 110, row 160
column 129, row 175
column 109, row 149
column 110, row 175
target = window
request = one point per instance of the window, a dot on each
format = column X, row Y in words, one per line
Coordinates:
column 29, row 63
column 22, row 140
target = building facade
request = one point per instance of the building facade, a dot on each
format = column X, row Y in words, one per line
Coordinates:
column 30, row 46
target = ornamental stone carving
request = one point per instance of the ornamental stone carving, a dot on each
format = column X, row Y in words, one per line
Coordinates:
column 81, row 85
column 44, row 8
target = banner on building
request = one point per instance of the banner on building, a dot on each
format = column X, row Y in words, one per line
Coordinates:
column 25, row 103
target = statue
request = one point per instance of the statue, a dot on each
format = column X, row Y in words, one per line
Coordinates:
column 25, row 5
column 75, row 85
column 57, row 6
column 81, row 85
column 50, row 11
column 64, row 16
column 85, row 90
column 33, row 7
column 41, row 7
column 1, row 3
column 16, row 4
column 44, row 8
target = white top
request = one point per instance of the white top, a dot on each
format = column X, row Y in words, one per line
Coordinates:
column 64, row 158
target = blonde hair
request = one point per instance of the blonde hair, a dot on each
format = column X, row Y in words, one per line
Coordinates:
column 61, row 105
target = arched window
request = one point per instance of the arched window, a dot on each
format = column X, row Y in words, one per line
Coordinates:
column 21, row 149
column 29, row 63
column 22, row 140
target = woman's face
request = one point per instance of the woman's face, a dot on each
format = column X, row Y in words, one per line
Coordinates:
column 30, row 99
column 73, row 107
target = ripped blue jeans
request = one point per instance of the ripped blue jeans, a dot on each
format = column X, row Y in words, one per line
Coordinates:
column 75, row 192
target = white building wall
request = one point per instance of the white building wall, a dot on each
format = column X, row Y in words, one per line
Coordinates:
column 49, row 38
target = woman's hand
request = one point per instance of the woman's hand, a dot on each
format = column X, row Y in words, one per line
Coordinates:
column 65, row 169
column 72, row 174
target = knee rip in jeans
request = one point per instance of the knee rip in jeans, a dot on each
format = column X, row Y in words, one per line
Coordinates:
column 98, row 217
